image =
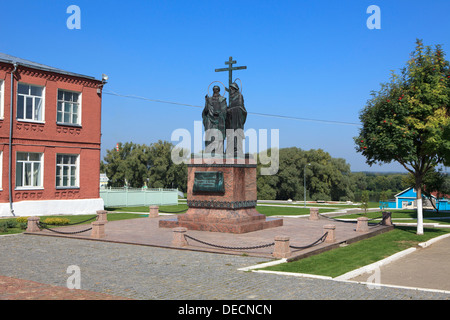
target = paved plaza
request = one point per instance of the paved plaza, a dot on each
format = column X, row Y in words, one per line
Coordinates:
column 301, row 231
column 147, row 272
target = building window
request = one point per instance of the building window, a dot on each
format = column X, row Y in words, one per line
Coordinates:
column 1, row 169
column 29, row 169
column 67, row 171
column 68, row 111
column 30, row 102
column 2, row 98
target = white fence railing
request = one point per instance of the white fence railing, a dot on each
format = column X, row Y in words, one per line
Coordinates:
column 130, row 197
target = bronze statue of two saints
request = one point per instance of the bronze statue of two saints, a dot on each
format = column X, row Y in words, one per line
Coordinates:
column 222, row 122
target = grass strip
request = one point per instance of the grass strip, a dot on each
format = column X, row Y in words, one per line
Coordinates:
column 341, row 260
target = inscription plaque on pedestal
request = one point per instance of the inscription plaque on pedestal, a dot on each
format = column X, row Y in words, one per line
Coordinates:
column 208, row 181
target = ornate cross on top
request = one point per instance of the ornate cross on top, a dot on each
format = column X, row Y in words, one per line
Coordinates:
column 230, row 69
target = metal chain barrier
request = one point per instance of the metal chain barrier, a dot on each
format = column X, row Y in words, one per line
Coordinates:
column 347, row 221
column 231, row 248
column 320, row 240
column 73, row 224
column 334, row 219
column 379, row 223
column 173, row 211
column 41, row 225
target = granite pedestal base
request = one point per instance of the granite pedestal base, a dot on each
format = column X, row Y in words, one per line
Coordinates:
column 233, row 210
column 228, row 221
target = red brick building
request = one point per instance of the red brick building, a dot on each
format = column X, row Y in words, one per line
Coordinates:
column 50, row 132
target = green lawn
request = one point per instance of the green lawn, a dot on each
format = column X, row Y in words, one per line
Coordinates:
column 145, row 209
column 266, row 210
column 301, row 204
column 344, row 259
column 332, row 205
column 397, row 215
column 11, row 231
column 286, row 211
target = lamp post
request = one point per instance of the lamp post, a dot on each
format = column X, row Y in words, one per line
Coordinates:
column 304, row 182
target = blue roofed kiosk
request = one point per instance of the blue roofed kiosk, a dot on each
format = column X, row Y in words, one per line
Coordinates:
column 407, row 200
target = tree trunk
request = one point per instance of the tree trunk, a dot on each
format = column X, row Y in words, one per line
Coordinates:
column 419, row 207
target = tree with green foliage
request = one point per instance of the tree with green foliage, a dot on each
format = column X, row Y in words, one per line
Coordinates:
column 134, row 165
column 408, row 120
column 437, row 182
column 383, row 200
column 163, row 173
column 327, row 178
column 127, row 166
column 365, row 201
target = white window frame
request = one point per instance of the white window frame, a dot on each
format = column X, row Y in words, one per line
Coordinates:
column 32, row 164
column 2, row 98
column 29, row 95
column 60, row 169
column 78, row 103
column 1, row 170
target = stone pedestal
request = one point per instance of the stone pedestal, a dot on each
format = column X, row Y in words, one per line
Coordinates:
column 387, row 220
column 32, row 225
column 281, row 248
column 98, row 229
column 154, row 212
column 329, row 228
column 362, row 224
column 226, row 204
column 314, row 214
column 102, row 215
column 179, row 239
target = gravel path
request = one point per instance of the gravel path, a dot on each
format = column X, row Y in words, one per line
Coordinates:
column 142, row 272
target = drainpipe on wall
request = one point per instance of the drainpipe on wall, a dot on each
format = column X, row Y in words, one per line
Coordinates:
column 10, row 139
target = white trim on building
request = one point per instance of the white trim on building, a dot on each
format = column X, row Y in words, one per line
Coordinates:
column 52, row 207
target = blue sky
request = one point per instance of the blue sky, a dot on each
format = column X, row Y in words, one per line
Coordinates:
column 305, row 59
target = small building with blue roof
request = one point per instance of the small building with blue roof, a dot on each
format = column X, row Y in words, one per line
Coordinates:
column 407, row 200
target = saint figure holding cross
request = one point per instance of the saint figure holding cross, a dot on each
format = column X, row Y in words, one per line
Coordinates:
column 236, row 116
column 236, row 113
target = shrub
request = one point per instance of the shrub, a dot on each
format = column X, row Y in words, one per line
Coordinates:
column 11, row 223
column 22, row 219
column 57, row 221
column 23, row 225
column 3, row 227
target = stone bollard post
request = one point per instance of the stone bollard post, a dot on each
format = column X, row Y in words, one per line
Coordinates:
column 331, row 235
column 98, row 229
column 387, row 220
column 178, row 239
column 314, row 214
column 281, row 249
column 101, row 215
column 363, row 224
column 32, row 225
column 154, row 212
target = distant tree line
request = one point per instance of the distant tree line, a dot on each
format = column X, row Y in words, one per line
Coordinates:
column 378, row 184
column 138, row 165
column 326, row 178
